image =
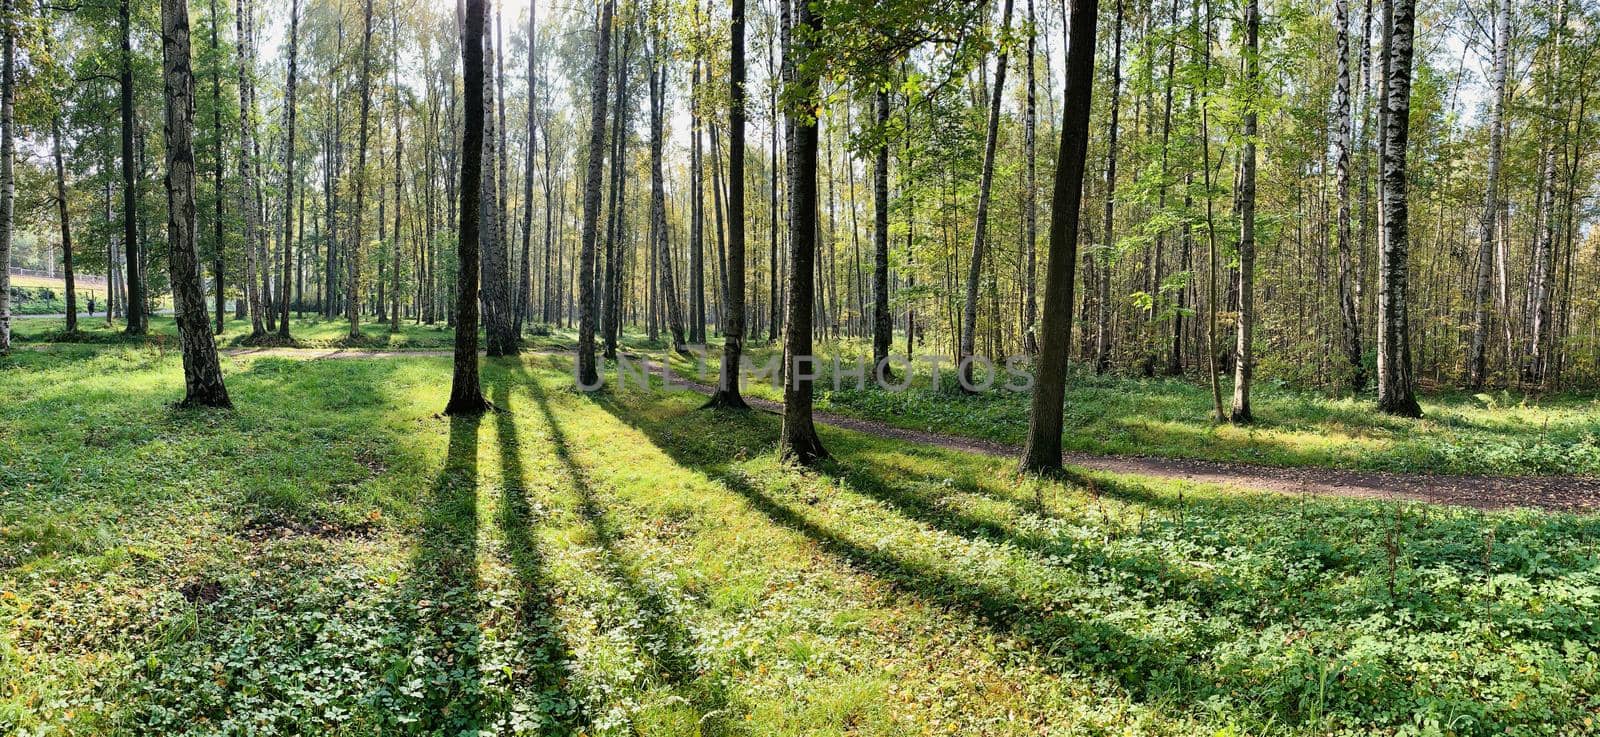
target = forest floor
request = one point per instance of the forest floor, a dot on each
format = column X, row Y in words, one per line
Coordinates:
column 333, row 556
column 1480, row 450
column 1557, row 492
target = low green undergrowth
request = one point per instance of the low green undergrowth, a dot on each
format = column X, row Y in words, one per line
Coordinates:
column 335, row 557
column 1473, row 434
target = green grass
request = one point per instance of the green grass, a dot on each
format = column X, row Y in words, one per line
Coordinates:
column 335, row 557
column 1484, row 434
column 56, row 288
column 309, row 332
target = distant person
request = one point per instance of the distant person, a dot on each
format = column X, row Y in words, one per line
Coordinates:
column 91, row 305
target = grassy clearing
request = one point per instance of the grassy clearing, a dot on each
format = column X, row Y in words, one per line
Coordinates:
column 309, row 332
column 1495, row 434
column 333, row 557
column 47, row 296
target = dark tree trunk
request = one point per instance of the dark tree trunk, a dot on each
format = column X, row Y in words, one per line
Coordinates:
column 466, row 395
column 498, row 323
column 138, row 323
column 733, row 328
column 288, row 172
column 882, row 319
column 525, row 291
column 774, row 296
column 219, row 262
column 1477, row 356
column 798, row 439
column 247, row 198
column 202, row 373
column 611, row 322
column 7, row 184
column 66, row 228
column 1030, row 208
column 1043, row 451
column 399, row 181
column 588, row 373
column 1102, row 343
column 667, row 290
column 697, row 215
column 354, row 258
column 980, row 235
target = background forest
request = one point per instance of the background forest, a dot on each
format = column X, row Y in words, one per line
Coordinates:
column 357, row 220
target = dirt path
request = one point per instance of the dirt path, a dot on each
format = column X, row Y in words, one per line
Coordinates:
column 1564, row 493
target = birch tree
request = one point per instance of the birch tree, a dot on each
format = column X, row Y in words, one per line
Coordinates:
column 202, row 372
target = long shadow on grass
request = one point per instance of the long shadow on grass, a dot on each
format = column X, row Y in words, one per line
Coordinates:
column 663, row 639
column 546, row 683
column 1144, row 667
column 870, row 480
column 434, row 686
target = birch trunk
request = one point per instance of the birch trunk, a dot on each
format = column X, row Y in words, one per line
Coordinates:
column 1349, row 313
column 1395, row 394
column 202, row 372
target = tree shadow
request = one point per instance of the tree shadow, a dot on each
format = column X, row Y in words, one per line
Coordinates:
column 548, row 651
column 434, row 685
column 1144, row 667
column 662, row 639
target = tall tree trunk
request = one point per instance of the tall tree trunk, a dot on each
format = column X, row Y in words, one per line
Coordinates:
column 774, row 295
column 138, row 322
column 219, row 263
column 882, row 318
column 66, row 225
column 1043, row 451
column 7, row 154
column 288, row 171
column 1244, row 358
column 1211, row 226
column 202, row 372
column 498, row 324
column 399, row 181
column 1103, row 307
column 697, row 215
column 1477, row 356
column 588, row 373
column 733, row 328
column 611, row 321
column 525, row 291
column 356, row 255
column 969, row 314
column 1030, row 208
column 466, row 394
column 247, row 197
column 1349, row 314
column 1157, row 261
column 797, row 440
column 667, row 290
column 1541, row 276
column 1394, row 342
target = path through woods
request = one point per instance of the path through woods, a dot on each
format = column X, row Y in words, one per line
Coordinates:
column 1558, row 493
